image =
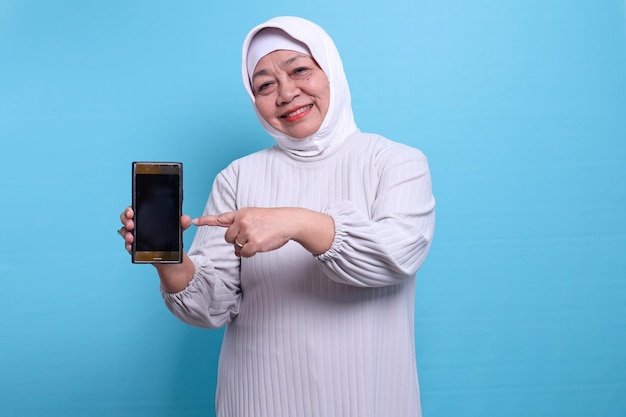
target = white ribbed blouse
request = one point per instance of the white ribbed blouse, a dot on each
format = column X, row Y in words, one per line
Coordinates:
column 325, row 336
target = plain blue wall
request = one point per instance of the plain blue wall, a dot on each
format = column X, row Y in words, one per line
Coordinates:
column 520, row 106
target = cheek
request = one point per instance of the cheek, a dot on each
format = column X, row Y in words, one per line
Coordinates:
column 326, row 100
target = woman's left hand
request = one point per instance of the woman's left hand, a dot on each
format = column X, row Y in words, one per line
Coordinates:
column 252, row 230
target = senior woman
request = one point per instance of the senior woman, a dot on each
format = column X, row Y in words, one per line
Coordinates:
column 307, row 251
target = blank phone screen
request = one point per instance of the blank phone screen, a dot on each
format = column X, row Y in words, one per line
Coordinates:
column 157, row 217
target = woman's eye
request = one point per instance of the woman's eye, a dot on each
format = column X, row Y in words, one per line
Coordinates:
column 263, row 86
column 300, row 70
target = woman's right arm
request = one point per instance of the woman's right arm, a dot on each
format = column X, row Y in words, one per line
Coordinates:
column 204, row 290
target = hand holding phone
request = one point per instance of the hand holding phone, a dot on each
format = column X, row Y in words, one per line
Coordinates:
column 157, row 195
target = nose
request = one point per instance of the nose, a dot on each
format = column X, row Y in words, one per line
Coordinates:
column 287, row 90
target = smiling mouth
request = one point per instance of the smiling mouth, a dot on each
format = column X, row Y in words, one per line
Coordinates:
column 295, row 115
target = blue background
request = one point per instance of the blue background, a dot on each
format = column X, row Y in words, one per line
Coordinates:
column 520, row 106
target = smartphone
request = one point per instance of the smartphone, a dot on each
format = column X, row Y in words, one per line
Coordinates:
column 157, row 204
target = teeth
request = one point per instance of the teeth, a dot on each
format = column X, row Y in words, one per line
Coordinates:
column 300, row 110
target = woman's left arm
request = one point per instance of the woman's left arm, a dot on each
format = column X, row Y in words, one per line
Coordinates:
column 388, row 245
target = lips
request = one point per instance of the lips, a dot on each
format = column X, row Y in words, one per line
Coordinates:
column 297, row 114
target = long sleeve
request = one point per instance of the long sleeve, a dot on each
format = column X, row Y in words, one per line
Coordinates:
column 213, row 296
column 388, row 244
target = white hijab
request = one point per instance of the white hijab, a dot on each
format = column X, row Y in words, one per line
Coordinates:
column 339, row 121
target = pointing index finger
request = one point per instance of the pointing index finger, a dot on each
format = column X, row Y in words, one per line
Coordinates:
column 222, row 220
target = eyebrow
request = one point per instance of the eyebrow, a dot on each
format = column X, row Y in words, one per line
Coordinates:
column 285, row 63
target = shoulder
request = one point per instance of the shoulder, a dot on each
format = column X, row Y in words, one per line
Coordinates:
column 384, row 150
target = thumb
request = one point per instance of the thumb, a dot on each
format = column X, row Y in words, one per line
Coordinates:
column 222, row 220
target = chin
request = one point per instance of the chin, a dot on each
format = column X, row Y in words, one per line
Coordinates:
column 299, row 137
column 301, row 133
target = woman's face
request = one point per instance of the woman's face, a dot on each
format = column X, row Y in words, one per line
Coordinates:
column 291, row 92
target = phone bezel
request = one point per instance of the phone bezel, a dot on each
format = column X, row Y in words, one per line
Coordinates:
column 157, row 256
